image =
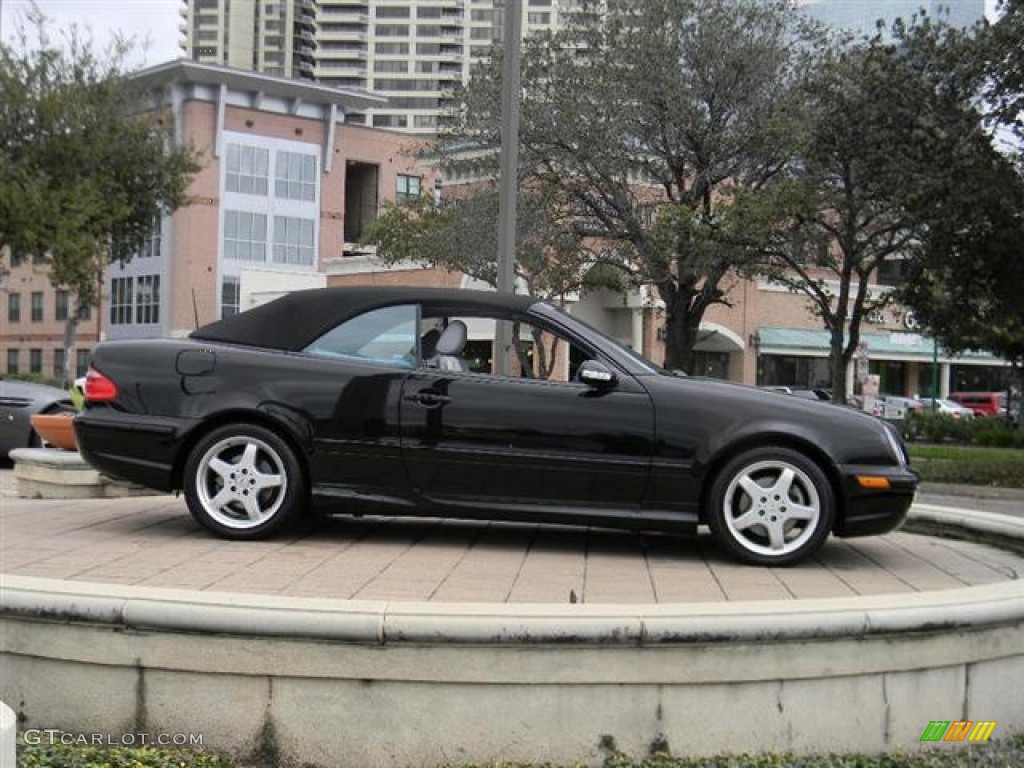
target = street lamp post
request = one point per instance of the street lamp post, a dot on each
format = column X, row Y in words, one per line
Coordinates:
column 509, row 174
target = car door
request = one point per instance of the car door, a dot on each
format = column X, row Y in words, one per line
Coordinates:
column 471, row 437
column 349, row 382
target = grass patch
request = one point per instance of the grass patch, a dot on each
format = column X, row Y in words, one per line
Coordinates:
column 46, row 755
column 968, row 464
column 969, row 453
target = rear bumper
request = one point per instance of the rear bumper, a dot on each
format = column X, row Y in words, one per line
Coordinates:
column 870, row 511
column 129, row 447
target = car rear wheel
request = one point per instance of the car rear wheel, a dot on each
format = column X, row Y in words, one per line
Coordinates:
column 771, row 506
column 243, row 481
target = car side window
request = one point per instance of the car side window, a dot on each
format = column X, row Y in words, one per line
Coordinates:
column 385, row 336
column 538, row 353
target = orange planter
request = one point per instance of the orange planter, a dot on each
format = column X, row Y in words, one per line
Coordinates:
column 57, row 429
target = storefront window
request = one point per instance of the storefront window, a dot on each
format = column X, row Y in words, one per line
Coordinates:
column 892, row 376
column 979, row 378
column 714, row 365
column 793, row 371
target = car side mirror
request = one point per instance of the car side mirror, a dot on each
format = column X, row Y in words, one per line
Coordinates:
column 597, row 375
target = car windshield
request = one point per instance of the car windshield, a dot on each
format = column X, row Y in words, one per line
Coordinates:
column 629, row 358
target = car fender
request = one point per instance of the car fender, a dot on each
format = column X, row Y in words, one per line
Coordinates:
column 291, row 423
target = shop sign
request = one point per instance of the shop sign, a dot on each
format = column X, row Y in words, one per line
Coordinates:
column 906, row 339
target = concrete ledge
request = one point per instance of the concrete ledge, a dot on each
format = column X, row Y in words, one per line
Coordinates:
column 8, row 737
column 973, row 491
column 388, row 623
column 348, row 683
column 1002, row 531
column 50, row 473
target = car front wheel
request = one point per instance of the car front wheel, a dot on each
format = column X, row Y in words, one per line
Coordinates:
column 243, row 481
column 771, row 506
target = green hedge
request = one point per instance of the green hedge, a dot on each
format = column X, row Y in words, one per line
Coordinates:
column 968, row 464
column 934, row 427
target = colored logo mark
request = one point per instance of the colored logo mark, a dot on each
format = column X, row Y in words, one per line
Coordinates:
column 959, row 730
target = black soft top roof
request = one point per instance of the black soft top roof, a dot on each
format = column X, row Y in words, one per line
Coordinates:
column 295, row 320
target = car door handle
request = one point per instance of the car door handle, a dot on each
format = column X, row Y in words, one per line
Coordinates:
column 429, row 398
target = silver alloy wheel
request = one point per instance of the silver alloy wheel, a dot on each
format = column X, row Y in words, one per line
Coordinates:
column 241, row 482
column 771, row 508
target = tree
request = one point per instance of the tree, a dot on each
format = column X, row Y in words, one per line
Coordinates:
column 638, row 118
column 1001, row 59
column 964, row 284
column 461, row 235
column 84, row 173
column 884, row 112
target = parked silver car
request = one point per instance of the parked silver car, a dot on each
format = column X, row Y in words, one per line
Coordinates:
column 19, row 400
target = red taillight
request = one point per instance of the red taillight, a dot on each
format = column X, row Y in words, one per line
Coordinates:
column 98, row 388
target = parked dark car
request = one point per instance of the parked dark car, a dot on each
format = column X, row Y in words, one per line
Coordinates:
column 19, row 402
column 383, row 399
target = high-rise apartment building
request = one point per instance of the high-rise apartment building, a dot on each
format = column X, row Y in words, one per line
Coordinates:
column 414, row 51
column 411, row 51
column 271, row 36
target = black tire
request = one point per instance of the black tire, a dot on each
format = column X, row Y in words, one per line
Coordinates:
column 771, row 506
column 244, row 482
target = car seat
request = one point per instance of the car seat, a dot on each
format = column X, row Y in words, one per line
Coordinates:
column 450, row 345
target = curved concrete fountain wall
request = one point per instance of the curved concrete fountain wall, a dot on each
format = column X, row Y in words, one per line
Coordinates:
column 343, row 683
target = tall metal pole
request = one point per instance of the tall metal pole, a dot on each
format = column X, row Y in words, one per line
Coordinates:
column 509, row 176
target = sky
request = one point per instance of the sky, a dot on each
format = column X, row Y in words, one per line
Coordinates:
column 155, row 21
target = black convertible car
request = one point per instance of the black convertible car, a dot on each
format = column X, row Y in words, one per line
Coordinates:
column 387, row 397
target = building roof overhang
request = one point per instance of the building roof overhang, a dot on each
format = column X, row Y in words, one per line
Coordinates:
column 186, row 71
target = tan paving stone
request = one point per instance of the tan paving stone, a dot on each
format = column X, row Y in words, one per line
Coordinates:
column 154, row 542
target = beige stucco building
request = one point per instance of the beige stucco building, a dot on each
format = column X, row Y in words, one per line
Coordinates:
column 285, row 184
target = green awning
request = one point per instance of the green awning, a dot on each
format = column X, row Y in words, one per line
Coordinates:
column 895, row 345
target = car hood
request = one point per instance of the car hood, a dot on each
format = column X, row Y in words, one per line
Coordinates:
column 716, row 413
column 28, row 390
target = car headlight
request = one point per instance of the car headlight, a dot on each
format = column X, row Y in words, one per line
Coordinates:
column 899, row 450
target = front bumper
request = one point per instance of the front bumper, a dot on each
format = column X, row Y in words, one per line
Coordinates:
column 873, row 510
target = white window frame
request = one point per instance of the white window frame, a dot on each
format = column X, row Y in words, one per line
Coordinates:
column 147, row 299
column 291, row 245
column 247, row 169
column 255, row 238
column 121, row 295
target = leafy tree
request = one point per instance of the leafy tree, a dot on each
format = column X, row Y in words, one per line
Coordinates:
column 1001, row 58
column 884, row 112
column 638, row 118
column 83, row 172
column 461, row 235
column 964, row 283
